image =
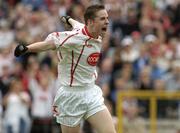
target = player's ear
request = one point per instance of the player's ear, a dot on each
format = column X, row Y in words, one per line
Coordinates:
column 88, row 22
column 91, row 21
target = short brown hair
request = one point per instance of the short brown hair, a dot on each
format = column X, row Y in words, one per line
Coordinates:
column 90, row 12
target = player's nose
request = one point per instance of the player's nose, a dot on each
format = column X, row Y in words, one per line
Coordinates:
column 107, row 21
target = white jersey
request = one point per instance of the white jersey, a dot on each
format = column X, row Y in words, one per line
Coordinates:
column 78, row 55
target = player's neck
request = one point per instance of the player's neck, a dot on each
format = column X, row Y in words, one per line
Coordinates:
column 91, row 32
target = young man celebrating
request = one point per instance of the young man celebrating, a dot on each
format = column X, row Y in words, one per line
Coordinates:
column 78, row 97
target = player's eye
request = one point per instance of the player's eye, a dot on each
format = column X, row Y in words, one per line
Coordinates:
column 103, row 18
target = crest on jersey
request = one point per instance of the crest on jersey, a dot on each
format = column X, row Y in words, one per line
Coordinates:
column 93, row 59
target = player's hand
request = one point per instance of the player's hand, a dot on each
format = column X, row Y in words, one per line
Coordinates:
column 65, row 20
column 20, row 50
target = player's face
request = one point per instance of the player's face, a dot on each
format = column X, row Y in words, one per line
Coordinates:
column 101, row 22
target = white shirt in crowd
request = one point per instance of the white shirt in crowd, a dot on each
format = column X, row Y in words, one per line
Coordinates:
column 42, row 99
column 16, row 109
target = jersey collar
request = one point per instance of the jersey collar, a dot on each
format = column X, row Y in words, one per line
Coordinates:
column 86, row 32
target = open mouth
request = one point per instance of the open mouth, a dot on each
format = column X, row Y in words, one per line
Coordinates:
column 104, row 29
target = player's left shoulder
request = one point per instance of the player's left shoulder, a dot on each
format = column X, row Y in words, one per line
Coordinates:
column 68, row 33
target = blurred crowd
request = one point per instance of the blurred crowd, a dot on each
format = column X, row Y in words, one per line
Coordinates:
column 141, row 51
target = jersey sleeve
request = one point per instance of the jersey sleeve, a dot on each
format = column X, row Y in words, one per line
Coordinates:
column 78, row 25
column 61, row 39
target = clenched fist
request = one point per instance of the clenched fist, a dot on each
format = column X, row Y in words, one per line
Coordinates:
column 20, row 50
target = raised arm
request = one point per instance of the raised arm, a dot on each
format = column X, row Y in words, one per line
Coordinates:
column 67, row 20
column 49, row 43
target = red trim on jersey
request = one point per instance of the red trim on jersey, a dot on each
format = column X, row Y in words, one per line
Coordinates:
column 87, row 32
column 73, row 70
column 84, row 32
column 86, row 44
column 72, row 64
column 57, row 33
column 55, row 110
column 68, row 38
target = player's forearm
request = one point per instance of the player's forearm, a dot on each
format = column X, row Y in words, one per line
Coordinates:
column 40, row 46
column 73, row 22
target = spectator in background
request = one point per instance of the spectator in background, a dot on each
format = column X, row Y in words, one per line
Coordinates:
column 152, row 44
column 133, row 123
column 172, row 78
column 4, row 9
column 172, row 84
column 141, row 62
column 77, row 11
column 105, row 71
column 128, row 53
column 5, row 80
column 6, row 34
column 6, row 60
column 125, row 17
column 117, row 64
column 173, row 48
column 16, row 103
column 137, row 40
column 123, row 80
column 156, row 71
column 144, row 83
column 105, row 90
column 172, row 10
column 36, row 4
column 42, row 88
